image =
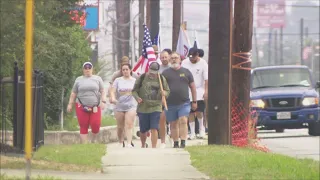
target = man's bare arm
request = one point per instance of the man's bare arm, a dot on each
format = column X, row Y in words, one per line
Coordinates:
column 193, row 91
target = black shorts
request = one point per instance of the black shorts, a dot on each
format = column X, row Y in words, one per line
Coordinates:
column 201, row 107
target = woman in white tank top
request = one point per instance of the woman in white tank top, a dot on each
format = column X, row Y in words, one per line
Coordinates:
column 125, row 104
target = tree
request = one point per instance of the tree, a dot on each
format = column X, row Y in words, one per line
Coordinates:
column 59, row 46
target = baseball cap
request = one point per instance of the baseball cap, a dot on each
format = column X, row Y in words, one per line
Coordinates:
column 201, row 53
column 154, row 68
column 193, row 52
column 87, row 64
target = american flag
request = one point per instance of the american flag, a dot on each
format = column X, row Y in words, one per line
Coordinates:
column 155, row 40
column 147, row 54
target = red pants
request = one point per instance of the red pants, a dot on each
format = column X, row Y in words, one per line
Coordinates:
column 85, row 119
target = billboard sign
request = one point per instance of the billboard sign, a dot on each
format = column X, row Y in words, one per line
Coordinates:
column 271, row 13
column 92, row 18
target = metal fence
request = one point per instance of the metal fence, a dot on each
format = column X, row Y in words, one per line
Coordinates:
column 13, row 111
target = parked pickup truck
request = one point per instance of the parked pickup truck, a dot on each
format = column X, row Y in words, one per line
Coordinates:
column 285, row 97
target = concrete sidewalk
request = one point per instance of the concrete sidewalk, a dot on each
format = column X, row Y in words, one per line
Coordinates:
column 134, row 164
column 147, row 163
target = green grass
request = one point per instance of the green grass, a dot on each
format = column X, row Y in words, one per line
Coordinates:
column 71, row 123
column 5, row 177
column 75, row 158
column 78, row 154
column 230, row 163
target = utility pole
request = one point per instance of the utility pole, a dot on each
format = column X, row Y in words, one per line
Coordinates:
column 132, row 35
column 114, row 46
column 148, row 13
column 241, row 63
column 257, row 47
column 276, row 48
column 301, row 40
column 141, row 22
column 123, row 28
column 176, row 23
column 155, row 18
column 220, row 48
column 269, row 46
column 281, row 46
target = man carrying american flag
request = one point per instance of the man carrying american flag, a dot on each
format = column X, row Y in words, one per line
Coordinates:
column 148, row 54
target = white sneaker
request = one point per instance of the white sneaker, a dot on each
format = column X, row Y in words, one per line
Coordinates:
column 163, row 145
column 129, row 146
column 202, row 135
column 191, row 137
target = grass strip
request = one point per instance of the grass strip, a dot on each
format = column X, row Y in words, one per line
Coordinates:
column 76, row 157
column 229, row 162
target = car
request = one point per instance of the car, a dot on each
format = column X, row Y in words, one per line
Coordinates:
column 285, row 97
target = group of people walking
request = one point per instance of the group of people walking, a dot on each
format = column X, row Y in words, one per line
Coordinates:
column 172, row 94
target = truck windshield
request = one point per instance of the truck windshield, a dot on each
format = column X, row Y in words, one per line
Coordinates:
column 289, row 77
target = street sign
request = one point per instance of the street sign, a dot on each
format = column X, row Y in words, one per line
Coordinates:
column 271, row 13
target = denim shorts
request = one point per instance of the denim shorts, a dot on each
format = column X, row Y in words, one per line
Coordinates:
column 176, row 111
column 149, row 121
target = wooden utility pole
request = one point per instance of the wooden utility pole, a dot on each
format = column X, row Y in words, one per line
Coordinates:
column 257, row 48
column 176, row 23
column 114, row 46
column 148, row 13
column 220, row 47
column 241, row 63
column 141, row 22
column 123, row 28
column 281, row 46
column 155, row 18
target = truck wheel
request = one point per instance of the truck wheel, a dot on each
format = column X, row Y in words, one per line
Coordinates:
column 279, row 130
column 314, row 129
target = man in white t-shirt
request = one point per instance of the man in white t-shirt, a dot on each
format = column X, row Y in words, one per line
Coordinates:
column 199, row 70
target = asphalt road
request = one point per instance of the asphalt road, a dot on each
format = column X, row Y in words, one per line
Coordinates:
column 296, row 143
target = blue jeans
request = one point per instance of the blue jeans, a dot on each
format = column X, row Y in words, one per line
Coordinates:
column 148, row 121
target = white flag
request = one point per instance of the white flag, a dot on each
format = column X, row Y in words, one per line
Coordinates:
column 183, row 44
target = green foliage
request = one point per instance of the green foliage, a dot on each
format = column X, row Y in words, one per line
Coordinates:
column 59, row 46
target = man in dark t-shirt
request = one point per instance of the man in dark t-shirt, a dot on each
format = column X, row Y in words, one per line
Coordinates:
column 179, row 80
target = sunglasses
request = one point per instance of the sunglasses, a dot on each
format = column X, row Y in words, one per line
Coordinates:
column 87, row 67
